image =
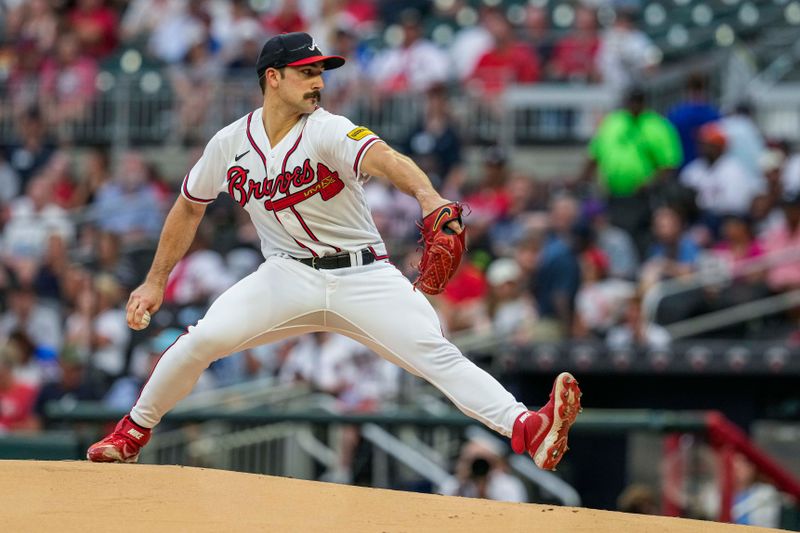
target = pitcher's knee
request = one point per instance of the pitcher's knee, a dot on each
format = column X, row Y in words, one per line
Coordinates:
column 206, row 345
column 441, row 359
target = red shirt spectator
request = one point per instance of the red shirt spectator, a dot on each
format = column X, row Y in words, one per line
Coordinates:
column 467, row 284
column 288, row 19
column 497, row 68
column 574, row 54
column 96, row 26
column 489, row 203
column 362, row 11
column 510, row 61
column 16, row 399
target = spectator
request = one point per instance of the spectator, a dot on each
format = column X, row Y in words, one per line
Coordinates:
column 243, row 39
column 472, row 42
column 16, row 398
column 509, row 307
column 195, row 82
column 435, row 144
column 766, row 211
column 724, row 186
column 633, row 150
column 342, row 92
column 738, row 246
column 34, row 148
column 22, row 85
column 481, row 472
column 286, row 19
column 745, row 142
column 9, row 184
column 460, row 305
column 736, row 250
column 554, row 286
column 674, row 253
column 96, row 26
column 564, row 212
column 34, row 21
column 615, row 243
column 537, row 33
column 756, row 503
column 790, row 174
column 47, row 280
column 96, row 173
column 72, row 385
column 167, row 26
column 28, row 369
column 626, row 53
column 59, row 174
column 33, row 219
column 109, row 332
column 491, row 200
column 415, row 65
column 509, row 62
column 785, row 237
column 128, row 206
column 636, row 333
column 689, row 115
column 506, row 232
column 639, row 499
column 600, row 302
column 574, row 56
column 67, row 82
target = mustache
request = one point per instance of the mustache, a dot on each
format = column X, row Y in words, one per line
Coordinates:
column 313, row 94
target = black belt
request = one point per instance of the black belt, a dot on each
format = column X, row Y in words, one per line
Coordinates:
column 337, row 261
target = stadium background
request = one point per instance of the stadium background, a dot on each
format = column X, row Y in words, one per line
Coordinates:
column 668, row 288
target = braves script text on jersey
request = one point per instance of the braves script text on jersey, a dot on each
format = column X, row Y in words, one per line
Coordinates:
column 305, row 199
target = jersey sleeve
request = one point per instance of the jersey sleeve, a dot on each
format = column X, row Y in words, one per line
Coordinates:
column 207, row 177
column 342, row 144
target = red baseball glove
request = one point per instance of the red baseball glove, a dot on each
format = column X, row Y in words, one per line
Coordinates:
column 442, row 250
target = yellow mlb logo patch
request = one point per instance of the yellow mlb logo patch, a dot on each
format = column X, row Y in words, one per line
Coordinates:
column 359, row 133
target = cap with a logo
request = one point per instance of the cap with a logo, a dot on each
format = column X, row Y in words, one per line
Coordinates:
column 293, row 50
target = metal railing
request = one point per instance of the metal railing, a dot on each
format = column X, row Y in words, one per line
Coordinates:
column 720, row 275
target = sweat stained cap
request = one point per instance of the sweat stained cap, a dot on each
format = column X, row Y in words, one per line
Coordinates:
column 293, row 50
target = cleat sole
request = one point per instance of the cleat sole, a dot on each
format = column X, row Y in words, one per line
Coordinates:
column 565, row 411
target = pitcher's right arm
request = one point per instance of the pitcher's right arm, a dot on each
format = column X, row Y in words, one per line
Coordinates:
column 176, row 237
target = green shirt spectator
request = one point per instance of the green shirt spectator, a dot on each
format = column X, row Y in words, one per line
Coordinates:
column 631, row 146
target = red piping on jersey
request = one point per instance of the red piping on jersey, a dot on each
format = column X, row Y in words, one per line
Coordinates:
column 375, row 254
column 189, row 196
column 299, row 194
column 253, row 142
column 308, row 230
column 266, row 172
column 360, row 152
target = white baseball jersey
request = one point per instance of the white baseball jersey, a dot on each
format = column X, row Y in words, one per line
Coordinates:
column 303, row 195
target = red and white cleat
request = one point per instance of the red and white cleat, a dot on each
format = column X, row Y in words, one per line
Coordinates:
column 122, row 445
column 543, row 433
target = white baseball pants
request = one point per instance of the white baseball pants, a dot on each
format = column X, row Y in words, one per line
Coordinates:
column 373, row 304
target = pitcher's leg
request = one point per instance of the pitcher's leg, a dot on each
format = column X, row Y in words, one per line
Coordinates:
column 380, row 308
column 258, row 309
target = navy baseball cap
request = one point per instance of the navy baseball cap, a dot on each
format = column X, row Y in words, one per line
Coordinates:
column 293, row 50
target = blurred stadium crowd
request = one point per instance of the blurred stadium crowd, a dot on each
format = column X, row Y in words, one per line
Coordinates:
column 661, row 197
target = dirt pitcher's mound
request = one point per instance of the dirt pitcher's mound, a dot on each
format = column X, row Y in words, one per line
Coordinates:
column 81, row 496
